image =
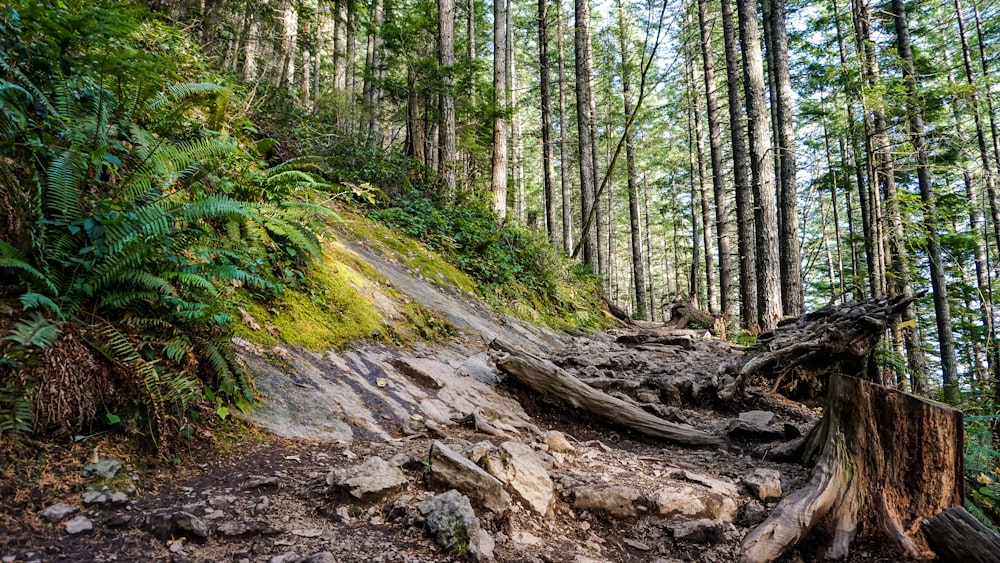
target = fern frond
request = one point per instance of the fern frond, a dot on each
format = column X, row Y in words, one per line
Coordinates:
column 32, row 300
column 230, row 272
column 215, row 207
column 36, row 331
column 193, row 280
column 31, row 277
column 64, row 186
column 301, row 163
column 122, row 300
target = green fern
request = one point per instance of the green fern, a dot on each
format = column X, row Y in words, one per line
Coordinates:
column 34, row 331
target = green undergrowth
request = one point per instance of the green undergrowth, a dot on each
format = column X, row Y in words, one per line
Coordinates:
column 513, row 269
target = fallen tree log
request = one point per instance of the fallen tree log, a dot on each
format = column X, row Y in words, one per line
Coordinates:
column 549, row 380
column 798, row 357
column 884, row 462
column 682, row 315
column 957, row 537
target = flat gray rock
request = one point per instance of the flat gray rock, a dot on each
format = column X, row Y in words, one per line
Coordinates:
column 616, row 501
column 58, row 512
column 79, row 525
column 373, row 478
column 523, row 470
column 765, row 484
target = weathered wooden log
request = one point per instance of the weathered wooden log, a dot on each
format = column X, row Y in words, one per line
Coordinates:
column 957, row 537
column 683, row 315
column 553, row 383
column 884, row 462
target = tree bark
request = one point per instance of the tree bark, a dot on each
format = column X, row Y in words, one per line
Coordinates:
column 791, row 267
column 548, row 168
column 715, row 150
column 957, row 537
column 446, row 62
column 564, row 182
column 499, row 181
column 372, row 89
column 884, row 461
column 762, row 170
column 585, row 127
column 340, row 45
column 635, row 225
column 885, row 172
column 745, row 230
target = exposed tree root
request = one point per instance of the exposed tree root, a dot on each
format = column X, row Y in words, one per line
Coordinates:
column 798, row 356
column 554, row 384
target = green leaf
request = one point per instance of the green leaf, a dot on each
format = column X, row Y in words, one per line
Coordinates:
column 113, row 418
column 222, row 412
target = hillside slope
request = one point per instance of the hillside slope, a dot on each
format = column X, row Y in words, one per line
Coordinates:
column 361, row 439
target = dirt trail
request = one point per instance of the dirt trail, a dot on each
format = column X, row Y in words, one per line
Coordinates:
column 573, row 490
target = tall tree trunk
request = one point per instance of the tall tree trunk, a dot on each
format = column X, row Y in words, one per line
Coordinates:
column 635, row 225
column 704, row 208
column 694, row 276
column 289, row 42
column 975, row 219
column 251, row 47
column 564, row 182
column 939, row 285
column 715, row 148
column 414, row 124
column 470, row 45
column 351, row 51
column 651, row 291
column 548, row 168
column 791, row 267
column 499, row 182
column 340, row 45
column 446, row 62
column 885, row 171
column 864, row 201
column 745, row 229
column 762, row 170
column 832, row 171
column 372, row 90
column 585, row 127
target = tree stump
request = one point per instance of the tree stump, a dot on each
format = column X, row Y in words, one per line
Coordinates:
column 957, row 537
column 884, row 462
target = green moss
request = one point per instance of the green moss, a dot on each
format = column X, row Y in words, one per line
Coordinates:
column 411, row 252
column 330, row 311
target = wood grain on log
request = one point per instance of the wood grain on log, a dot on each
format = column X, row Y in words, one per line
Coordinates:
column 553, row 383
column 884, row 462
column 957, row 537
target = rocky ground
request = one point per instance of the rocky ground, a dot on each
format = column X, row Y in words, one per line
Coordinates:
column 430, row 453
column 559, row 488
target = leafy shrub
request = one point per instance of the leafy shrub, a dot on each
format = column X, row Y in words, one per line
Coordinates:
column 144, row 219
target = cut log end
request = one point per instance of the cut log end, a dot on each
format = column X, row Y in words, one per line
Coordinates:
column 957, row 537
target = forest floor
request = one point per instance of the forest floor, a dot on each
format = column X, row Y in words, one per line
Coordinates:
column 577, row 490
